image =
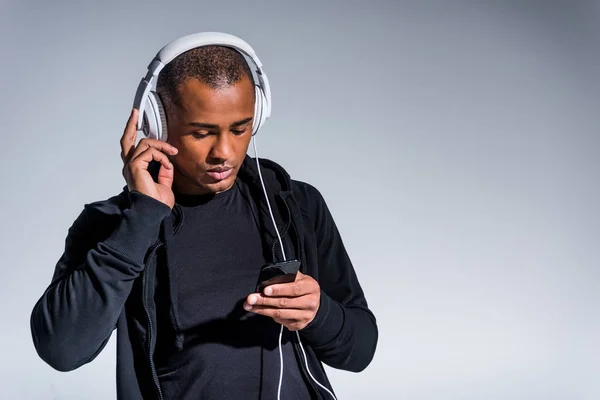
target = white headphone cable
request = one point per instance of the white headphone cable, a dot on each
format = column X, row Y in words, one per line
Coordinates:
column 267, row 197
column 307, row 369
column 283, row 255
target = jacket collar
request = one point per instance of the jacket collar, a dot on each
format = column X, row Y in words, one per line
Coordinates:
column 278, row 185
column 272, row 173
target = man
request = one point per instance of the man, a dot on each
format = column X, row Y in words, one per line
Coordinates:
column 172, row 262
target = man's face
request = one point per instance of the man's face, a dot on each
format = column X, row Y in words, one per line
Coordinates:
column 211, row 129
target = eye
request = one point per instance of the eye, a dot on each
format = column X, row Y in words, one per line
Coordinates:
column 198, row 135
column 238, row 132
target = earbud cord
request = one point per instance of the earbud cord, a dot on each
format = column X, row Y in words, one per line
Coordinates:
column 283, row 255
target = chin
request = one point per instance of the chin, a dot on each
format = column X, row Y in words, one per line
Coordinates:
column 219, row 186
column 199, row 182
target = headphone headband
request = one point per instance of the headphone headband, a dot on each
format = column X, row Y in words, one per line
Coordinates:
column 185, row 43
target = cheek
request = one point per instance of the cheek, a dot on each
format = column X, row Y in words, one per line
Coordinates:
column 190, row 154
column 243, row 143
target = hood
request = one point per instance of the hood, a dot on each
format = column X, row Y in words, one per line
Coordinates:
column 278, row 178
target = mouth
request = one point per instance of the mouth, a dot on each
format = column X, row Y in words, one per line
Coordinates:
column 220, row 169
column 219, row 173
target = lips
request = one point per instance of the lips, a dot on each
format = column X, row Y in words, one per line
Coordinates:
column 220, row 173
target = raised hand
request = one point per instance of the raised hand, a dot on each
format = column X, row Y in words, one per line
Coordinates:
column 136, row 160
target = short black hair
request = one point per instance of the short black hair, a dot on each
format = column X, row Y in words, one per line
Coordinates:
column 216, row 66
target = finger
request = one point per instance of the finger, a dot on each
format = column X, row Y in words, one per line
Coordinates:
column 282, row 314
column 156, row 144
column 129, row 135
column 291, row 324
column 142, row 161
column 298, row 288
column 165, row 176
column 297, row 303
column 286, row 322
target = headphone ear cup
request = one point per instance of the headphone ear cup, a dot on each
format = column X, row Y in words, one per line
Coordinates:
column 157, row 118
column 145, row 120
column 263, row 115
column 258, row 110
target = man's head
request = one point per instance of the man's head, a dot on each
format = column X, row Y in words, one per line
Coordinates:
column 208, row 94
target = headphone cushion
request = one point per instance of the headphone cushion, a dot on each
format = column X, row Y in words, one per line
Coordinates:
column 258, row 110
column 156, row 113
column 162, row 115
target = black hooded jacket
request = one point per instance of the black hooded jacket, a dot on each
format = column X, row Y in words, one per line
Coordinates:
column 107, row 276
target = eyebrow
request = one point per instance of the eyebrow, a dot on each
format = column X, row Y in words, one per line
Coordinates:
column 214, row 126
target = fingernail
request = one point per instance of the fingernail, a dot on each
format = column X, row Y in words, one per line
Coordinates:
column 252, row 300
column 268, row 291
column 247, row 307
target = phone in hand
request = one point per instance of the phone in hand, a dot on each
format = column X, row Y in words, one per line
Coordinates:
column 277, row 272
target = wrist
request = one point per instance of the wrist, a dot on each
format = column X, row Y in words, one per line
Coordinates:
column 139, row 226
column 327, row 322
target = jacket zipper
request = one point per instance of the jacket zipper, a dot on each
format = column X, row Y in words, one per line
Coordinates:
column 150, row 327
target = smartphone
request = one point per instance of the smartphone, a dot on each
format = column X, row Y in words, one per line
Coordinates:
column 277, row 272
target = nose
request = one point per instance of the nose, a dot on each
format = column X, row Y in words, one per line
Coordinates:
column 221, row 149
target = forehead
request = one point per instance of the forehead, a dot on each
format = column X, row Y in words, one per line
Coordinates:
column 198, row 98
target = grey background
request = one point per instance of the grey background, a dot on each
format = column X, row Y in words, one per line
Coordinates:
column 455, row 142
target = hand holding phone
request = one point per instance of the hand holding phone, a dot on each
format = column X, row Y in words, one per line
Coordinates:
column 286, row 295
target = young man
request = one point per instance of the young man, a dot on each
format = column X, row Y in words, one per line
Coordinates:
column 172, row 262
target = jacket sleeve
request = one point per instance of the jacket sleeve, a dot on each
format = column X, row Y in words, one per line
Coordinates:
column 74, row 318
column 344, row 332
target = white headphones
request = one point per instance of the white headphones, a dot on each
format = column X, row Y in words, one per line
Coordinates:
column 152, row 119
